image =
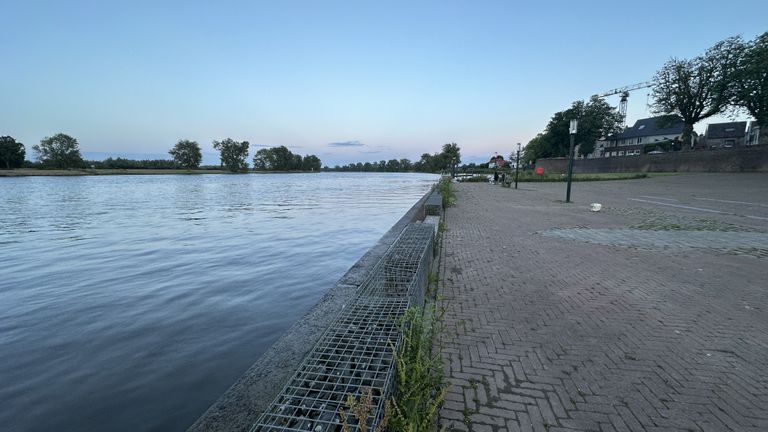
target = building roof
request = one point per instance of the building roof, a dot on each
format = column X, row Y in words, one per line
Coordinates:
column 663, row 125
column 726, row 130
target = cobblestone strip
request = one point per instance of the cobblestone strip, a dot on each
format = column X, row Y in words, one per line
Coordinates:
column 551, row 335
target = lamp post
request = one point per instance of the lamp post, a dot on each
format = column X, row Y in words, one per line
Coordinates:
column 517, row 164
column 572, row 131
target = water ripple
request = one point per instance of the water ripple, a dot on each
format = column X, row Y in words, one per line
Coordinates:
column 130, row 303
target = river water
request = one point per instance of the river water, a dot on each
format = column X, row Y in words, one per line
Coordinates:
column 131, row 303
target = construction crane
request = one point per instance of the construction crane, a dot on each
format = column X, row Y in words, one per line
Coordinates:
column 624, row 92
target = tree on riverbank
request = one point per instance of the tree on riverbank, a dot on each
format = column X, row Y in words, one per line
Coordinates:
column 187, row 154
column 311, row 163
column 233, row 154
column 282, row 159
column 452, row 156
column 429, row 163
column 448, row 159
column 12, row 153
column 59, row 151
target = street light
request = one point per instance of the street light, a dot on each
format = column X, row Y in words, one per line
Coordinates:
column 572, row 131
column 517, row 164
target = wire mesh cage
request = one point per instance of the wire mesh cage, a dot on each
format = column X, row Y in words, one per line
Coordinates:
column 355, row 354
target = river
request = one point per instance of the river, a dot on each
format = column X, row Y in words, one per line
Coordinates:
column 131, row 303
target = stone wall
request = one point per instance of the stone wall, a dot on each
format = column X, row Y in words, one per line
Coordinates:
column 745, row 159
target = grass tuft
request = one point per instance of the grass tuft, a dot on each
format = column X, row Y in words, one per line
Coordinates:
column 420, row 386
column 445, row 187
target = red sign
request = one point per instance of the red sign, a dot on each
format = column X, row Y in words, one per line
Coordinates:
column 539, row 170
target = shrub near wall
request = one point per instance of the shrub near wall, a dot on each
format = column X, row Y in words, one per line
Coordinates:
column 744, row 159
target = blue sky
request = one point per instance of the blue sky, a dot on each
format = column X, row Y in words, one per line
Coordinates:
column 347, row 81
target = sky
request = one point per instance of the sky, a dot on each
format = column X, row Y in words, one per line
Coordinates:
column 346, row 81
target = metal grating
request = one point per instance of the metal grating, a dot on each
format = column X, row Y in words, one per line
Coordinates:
column 355, row 352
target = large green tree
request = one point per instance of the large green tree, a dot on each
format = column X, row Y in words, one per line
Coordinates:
column 282, row 159
column 12, row 153
column 750, row 86
column 233, row 154
column 539, row 147
column 187, row 154
column 427, row 163
column 273, row 159
column 311, row 163
column 598, row 120
column 59, row 151
column 393, row 165
column 451, row 155
column 698, row 88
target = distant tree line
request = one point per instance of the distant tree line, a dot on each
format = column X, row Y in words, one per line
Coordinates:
column 62, row 151
column 446, row 160
column 732, row 75
column 122, row 163
column 392, row 165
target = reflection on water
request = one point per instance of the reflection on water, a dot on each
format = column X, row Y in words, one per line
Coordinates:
column 130, row 303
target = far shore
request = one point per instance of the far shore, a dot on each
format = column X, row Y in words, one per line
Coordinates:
column 26, row 172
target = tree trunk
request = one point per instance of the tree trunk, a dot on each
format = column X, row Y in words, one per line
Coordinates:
column 687, row 135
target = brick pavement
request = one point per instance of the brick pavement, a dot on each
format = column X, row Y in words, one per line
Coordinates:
column 553, row 334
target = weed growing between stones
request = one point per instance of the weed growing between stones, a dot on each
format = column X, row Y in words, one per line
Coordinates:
column 361, row 409
column 433, row 279
column 420, row 386
column 445, row 187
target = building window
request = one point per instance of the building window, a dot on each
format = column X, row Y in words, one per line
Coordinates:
column 640, row 140
column 621, row 153
column 637, row 151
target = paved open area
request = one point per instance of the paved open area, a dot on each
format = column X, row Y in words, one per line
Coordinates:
column 649, row 315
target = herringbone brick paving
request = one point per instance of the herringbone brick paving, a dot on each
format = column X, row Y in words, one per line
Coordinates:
column 549, row 334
